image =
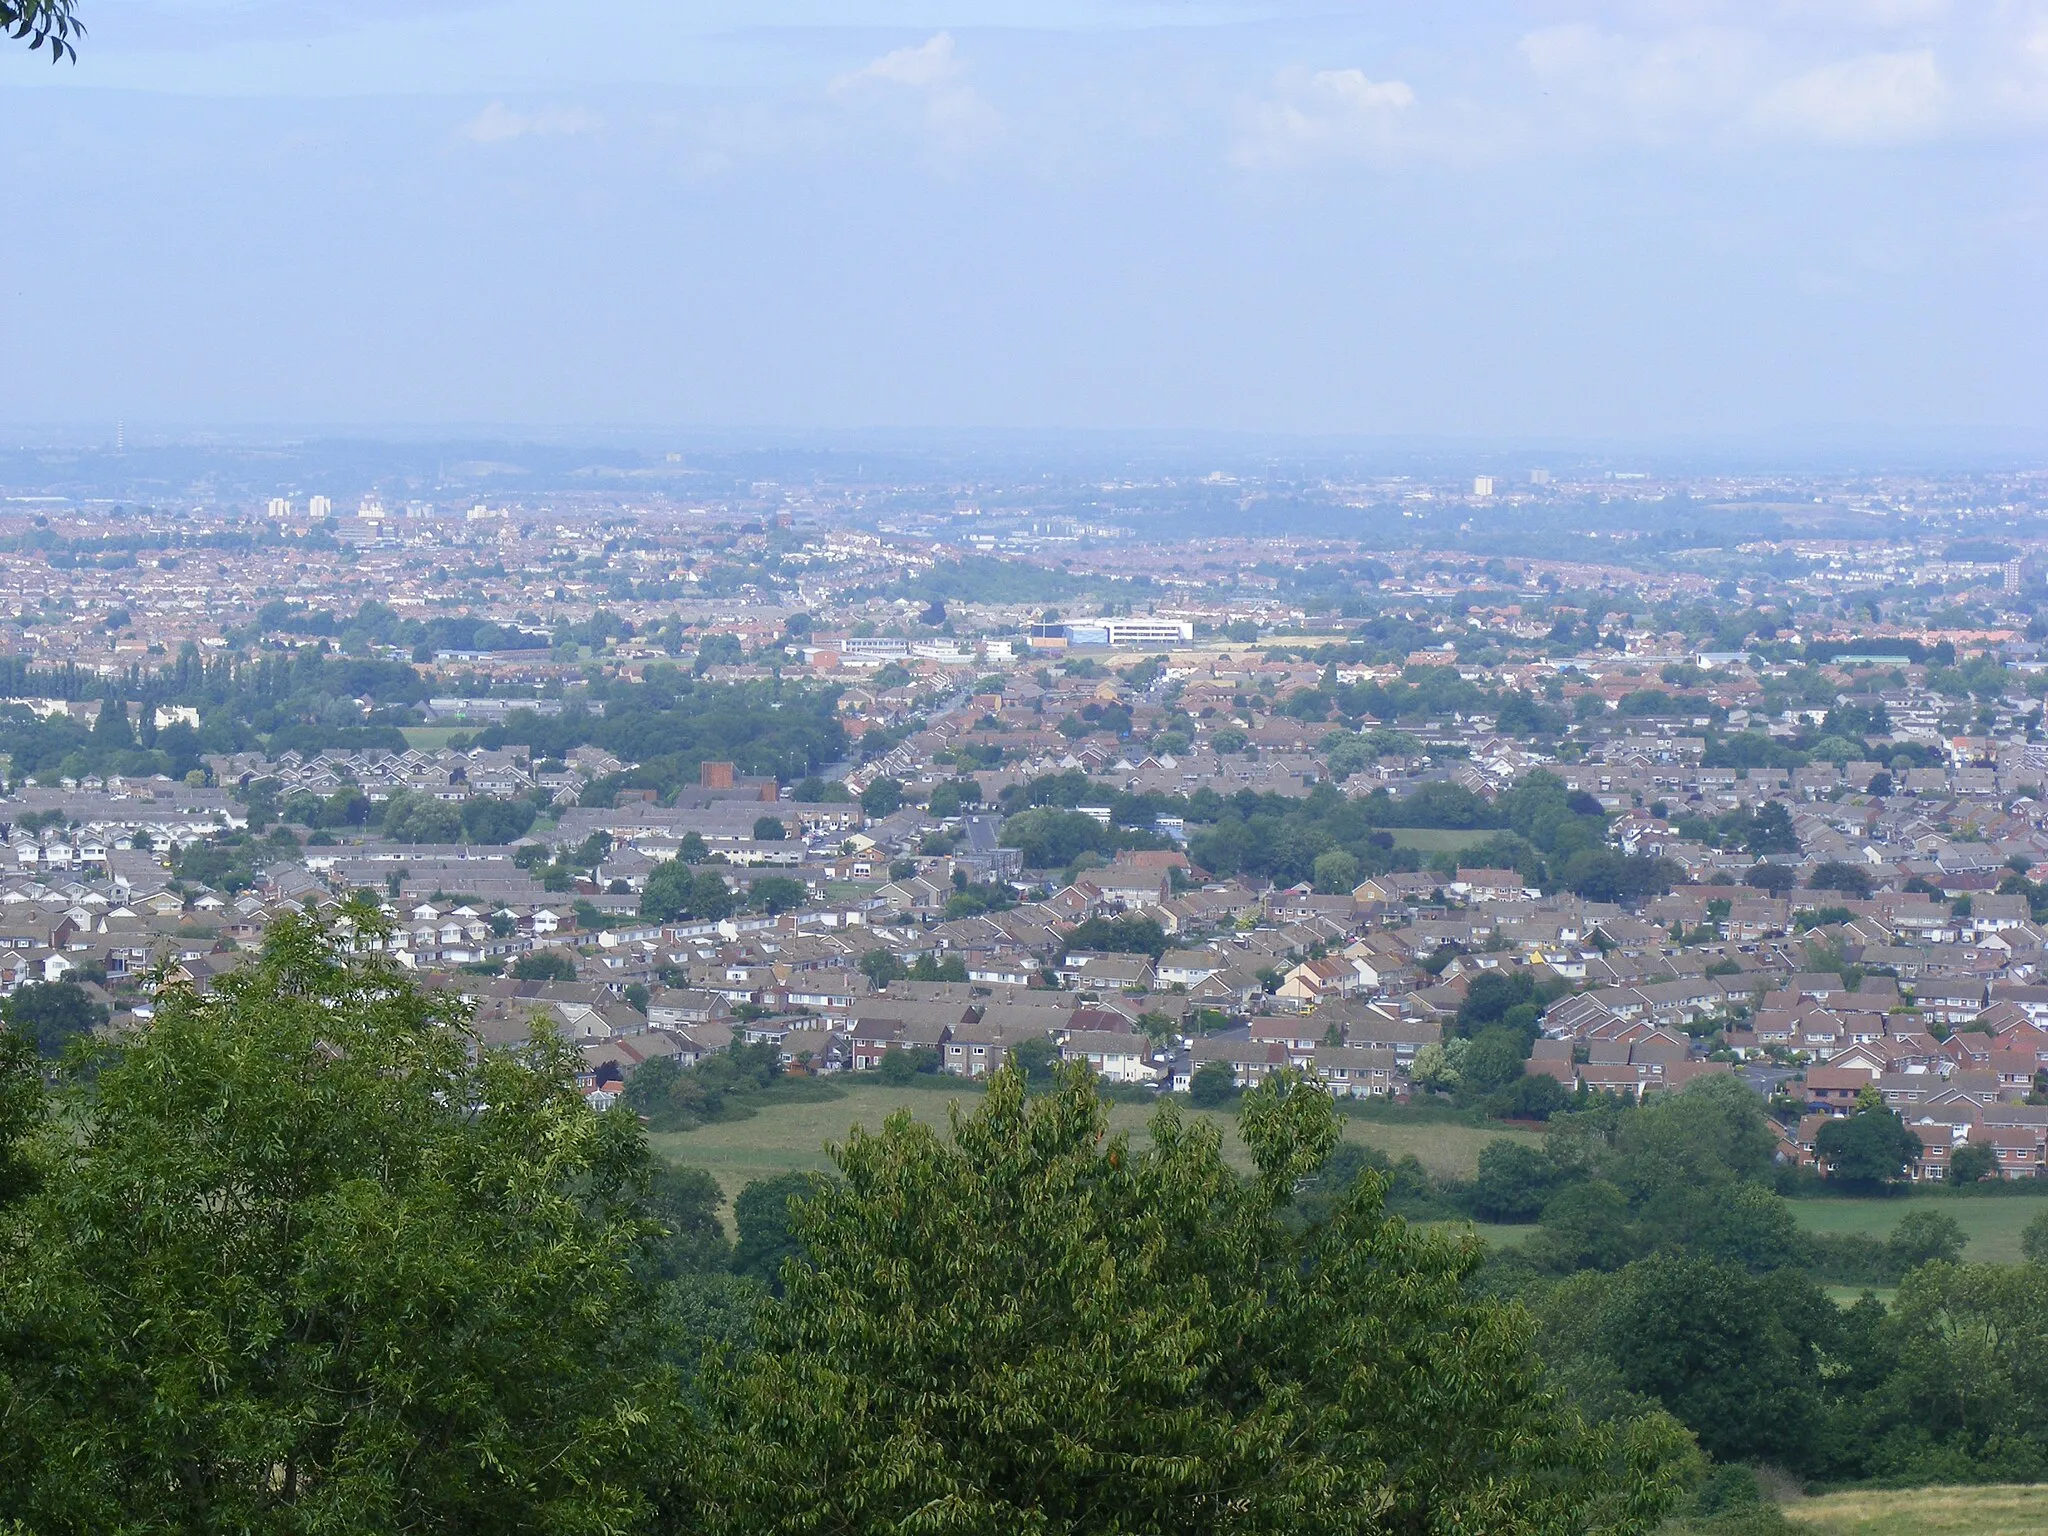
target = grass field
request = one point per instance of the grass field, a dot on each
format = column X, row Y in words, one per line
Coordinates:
column 1992, row 1224
column 1436, row 839
column 783, row 1137
column 1997, row 1510
column 432, row 738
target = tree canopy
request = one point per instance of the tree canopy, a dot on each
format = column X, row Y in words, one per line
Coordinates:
column 1037, row 1325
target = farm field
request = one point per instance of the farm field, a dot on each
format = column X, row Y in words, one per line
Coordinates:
column 783, row 1137
column 1992, row 1223
column 1995, row 1510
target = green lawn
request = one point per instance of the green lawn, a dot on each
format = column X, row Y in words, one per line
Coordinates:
column 1992, row 1224
column 432, row 738
column 1997, row 1510
column 1437, row 839
column 783, row 1137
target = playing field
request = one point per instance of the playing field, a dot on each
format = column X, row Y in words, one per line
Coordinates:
column 1437, row 839
column 1998, row 1510
column 783, row 1137
column 432, row 738
column 1992, row 1223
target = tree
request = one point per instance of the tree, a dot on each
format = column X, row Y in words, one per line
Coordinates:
column 1925, row 1237
column 1037, row 1058
column 675, row 890
column 1971, row 1163
column 52, row 1014
column 43, row 23
column 767, row 1235
column 1868, row 1149
column 1512, row 1183
column 1835, row 875
column 776, row 894
column 1778, row 879
column 1035, row 1325
column 883, row 797
column 304, row 1259
column 2034, row 1239
column 486, row 819
column 544, row 965
column 685, row 1201
column 1212, row 1085
column 1770, row 830
column 1730, row 1354
column 881, row 967
column 769, row 829
column 1336, row 872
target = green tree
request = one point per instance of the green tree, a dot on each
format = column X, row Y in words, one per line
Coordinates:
column 284, row 1274
column 52, row 1014
column 1212, row 1085
column 767, row 1231
column 1867, row 1149
column 1925, row 1237
column 883, row 797
column 2034, row 1239
column 881, row 967
column 674, row 890
column 769, row 829
column 1035, row 1325
column 544, row 965
column 1972, row 1163
column 685, row 1202
column 775, row 894
column 1512, row 1183
column 1730, row 1354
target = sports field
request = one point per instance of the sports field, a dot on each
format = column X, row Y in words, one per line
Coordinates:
column 1996, row 1510
column 783, row 1137
column 1437, row 839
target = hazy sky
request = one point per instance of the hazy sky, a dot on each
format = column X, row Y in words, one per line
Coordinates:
column 1521, row 219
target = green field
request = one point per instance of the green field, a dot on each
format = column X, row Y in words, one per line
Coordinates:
column 432, row 738
column 1992, row 1223
column 1437, row 839
column 783, row 1137
column 1996, row 1510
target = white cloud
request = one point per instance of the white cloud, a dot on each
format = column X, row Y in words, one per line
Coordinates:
column 932, row 63
column 498, row 124
column 955, row 117
column 1874, row 99
column 1339, row 112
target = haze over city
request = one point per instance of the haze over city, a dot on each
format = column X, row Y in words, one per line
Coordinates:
column 1559, row 221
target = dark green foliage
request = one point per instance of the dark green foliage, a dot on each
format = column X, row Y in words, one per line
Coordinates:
column 674, row 891
column 1731, row 1355
column 881, row 967
column 769, row 829
column 729, row 1085
column 279, row 1275
column 489, row 820
column 1837, row 876
column 1867, row 1149
column 882, row 797
column 1130, row 934
column 1972, row 1163
column 775, row 894
column 767, row 1231
column 685, row 1201
column 51, row 1014
column 1037, row 1058
column 1512, row 1183
column 899, row 1067
column 1212, row 1085
column 1040, row 1325
column 544, row 965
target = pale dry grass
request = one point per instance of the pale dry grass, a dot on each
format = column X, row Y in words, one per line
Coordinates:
column 2004, row 1509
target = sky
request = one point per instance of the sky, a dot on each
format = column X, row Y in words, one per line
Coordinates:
column 1527, row 220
